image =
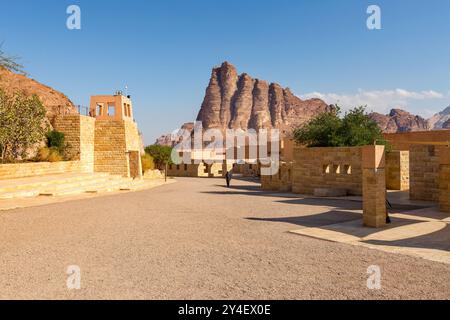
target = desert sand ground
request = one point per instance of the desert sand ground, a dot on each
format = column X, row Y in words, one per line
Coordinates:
column 196, row 239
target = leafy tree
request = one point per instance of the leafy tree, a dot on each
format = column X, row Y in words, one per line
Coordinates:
column 22, row 124
column 161, row 155
column 331, row 130
column 321, row 131
column 10, row 62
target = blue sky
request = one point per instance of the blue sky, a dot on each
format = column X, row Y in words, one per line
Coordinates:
column 164, row 51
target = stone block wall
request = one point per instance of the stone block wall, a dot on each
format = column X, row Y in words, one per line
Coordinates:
column 110, row 148
column 424, row 173
column 397, row 170
column 31, row 169
column 327, row 168
column 374, row 186
column 444, row 180
column 198, row 170
column 281, row 181
column 79, row 135
column 187, row 170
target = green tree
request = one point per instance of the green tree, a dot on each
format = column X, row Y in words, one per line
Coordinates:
column 161, row 155
column 22, row 124
column 321, row 131
column 331, row 130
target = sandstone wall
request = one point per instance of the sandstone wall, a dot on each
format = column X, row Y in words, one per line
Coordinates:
column 110, row 148
column 424, row 173
column 281, row 181
column 327, row 168
column 79, row 134
column 198, row 170
column 30, row 169
column 403, row 141
column 397, row 170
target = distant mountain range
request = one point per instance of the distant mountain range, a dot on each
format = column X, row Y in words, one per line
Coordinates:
column 234, row 101
column 440, row 120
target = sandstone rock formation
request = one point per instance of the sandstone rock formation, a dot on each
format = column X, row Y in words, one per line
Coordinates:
column 54, row 101
column 399, row 121
column 166, row 139
column 440, row 120
column 240, row 102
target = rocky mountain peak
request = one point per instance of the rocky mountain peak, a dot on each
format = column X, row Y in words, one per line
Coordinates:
column 242, row 102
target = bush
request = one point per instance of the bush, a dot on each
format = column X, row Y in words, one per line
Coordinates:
column 49, row 155
column 147, row 163
column 56, row 139
column 330, row 130
column 22, row 124
column 161, row 155
column 54, row 155
column 43, row 154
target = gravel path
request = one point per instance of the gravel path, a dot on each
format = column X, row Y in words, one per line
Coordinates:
column 196, row 239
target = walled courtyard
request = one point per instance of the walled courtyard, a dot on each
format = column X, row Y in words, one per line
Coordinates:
column 196, row 239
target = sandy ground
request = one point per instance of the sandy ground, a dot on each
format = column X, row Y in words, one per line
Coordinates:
column 196, row 239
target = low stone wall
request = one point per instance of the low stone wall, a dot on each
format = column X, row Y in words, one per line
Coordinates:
column 79, row 136
column 327, row 168
column 281, row 181
column 404, row 140
column 153, row 174
column 198, row 170
column 424, row 173
column 397, row 170
column 30, row 169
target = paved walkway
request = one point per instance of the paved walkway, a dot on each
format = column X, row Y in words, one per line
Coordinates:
column 196, row 239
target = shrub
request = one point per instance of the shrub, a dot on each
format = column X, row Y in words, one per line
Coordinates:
column 56, row 139
column 147, row 163
column 22, row 124
column 161, row 155
column 43, row 154
column 330, row 130
column 54, row 155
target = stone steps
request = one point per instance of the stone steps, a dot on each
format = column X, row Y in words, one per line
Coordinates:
column 64, row 185
column 45, row 181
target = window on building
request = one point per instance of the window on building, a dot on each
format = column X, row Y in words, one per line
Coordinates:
column 347, row 169
column 99, row 109
column 326, row 169
column 336, row 169
column 111, row 110
column 185, row 167
column 125, row 110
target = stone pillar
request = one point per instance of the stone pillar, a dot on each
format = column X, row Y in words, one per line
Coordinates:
column 374, row 186
column 444, row 180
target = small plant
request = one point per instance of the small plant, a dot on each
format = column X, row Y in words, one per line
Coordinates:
column 56, row 140
column 43, row 154
column 147, row 163
column 54, row 156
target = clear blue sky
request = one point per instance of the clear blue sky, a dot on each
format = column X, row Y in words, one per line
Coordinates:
column 165, row 50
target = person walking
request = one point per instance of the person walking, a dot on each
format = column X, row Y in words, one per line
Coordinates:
column 228, row 177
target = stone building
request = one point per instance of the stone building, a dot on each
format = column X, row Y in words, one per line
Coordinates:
column 107, row 140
